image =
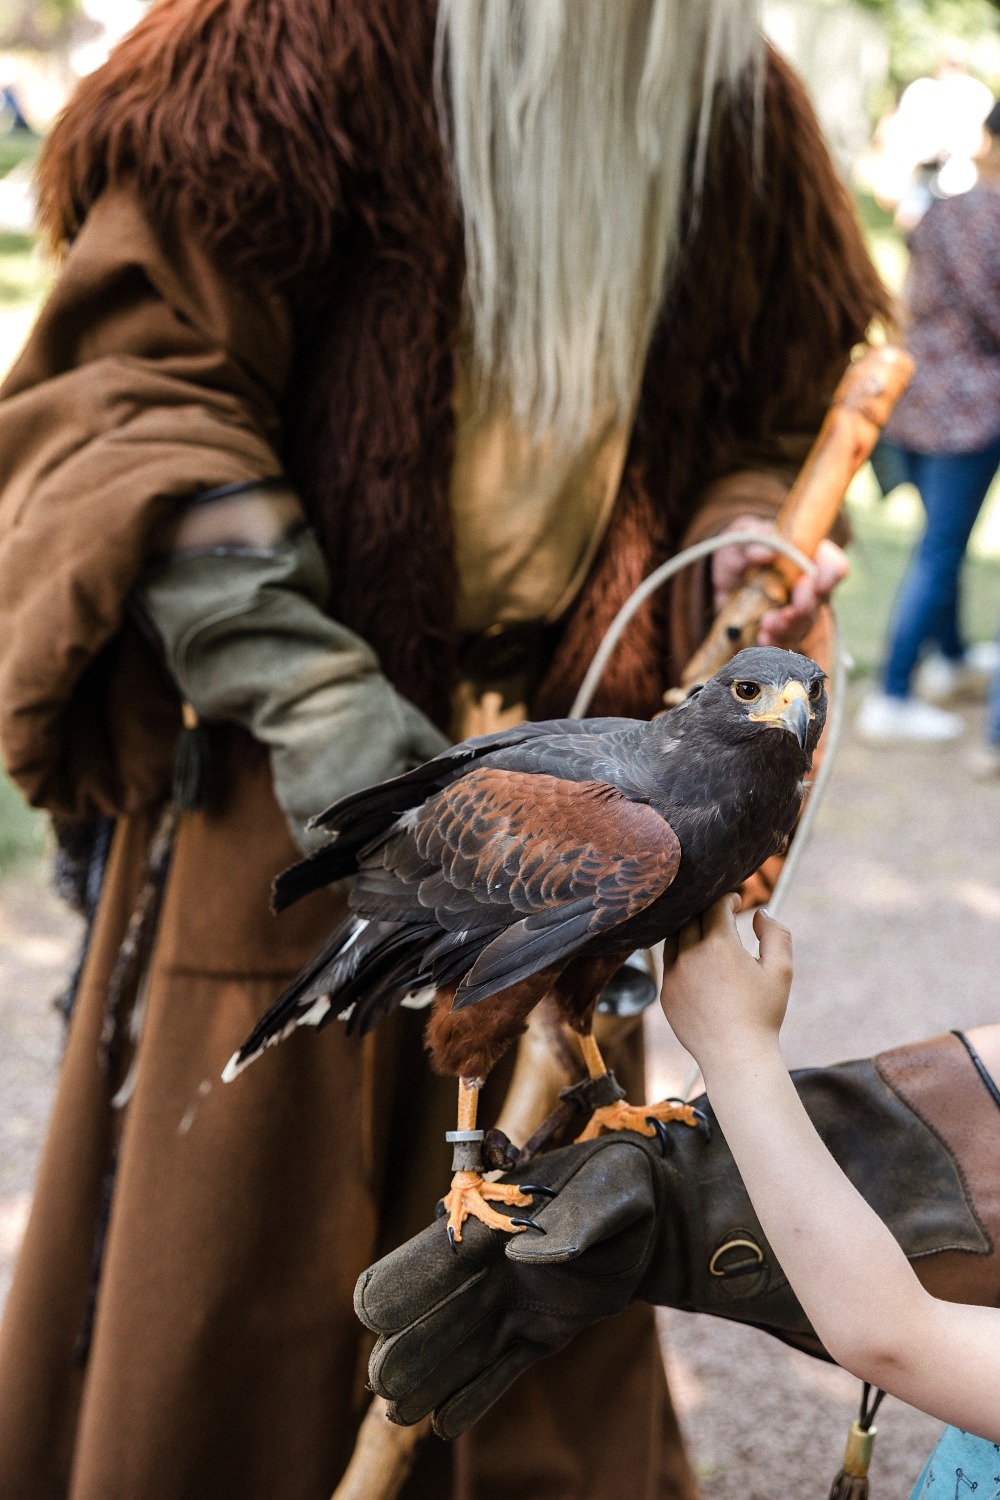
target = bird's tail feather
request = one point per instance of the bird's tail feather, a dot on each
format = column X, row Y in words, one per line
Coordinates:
column 364, row 970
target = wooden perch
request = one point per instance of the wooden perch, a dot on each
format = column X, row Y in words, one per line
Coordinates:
column 382, row 1458
column 859, row 410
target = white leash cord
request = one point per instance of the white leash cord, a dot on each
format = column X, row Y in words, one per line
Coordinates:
column 835, row 722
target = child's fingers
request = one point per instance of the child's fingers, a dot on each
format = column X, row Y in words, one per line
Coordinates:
column 720, row 919
column 775, row 941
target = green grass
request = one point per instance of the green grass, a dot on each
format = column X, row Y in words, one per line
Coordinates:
column 885, row 534
column 23, row 280
column 17, row 146
column 885, row 243
column 22, row 829
column 24, row 275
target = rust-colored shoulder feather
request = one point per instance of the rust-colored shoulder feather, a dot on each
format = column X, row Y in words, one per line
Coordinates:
column 243, row 110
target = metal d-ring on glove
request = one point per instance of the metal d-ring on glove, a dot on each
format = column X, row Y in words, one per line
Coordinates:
column 629, row 1223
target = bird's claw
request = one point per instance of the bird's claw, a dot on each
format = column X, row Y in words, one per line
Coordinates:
column 642, row 1118
column 471, row 1196
column 536, row 1187
column 704, row 1123
column 666, row 1145
column 451, row 1240
column 528, row 1224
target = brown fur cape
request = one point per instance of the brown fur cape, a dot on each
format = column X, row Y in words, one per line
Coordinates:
column 302, row 133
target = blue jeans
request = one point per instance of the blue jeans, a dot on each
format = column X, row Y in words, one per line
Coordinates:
column 952, row 487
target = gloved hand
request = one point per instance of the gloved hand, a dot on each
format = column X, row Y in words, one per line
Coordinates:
column 458, row 1326
column 668, row 1221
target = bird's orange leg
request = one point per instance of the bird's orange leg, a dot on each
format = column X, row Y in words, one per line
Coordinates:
column 470, row 1193
column 621, row 1115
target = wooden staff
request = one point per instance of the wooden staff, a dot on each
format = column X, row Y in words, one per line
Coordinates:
column 860, row 408
column 384, row 1453
column 382, row 1458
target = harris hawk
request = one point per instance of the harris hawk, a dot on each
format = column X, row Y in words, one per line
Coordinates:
column 530, row 863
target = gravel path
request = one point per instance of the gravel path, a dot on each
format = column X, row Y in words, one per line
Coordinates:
column 896, row 916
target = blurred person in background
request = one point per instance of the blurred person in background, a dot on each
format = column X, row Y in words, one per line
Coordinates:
column 359, row 408
column 945, row 438
column 926, row 147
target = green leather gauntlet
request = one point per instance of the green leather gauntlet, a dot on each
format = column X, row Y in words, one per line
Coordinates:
column 247, row 639
column 673, row 1225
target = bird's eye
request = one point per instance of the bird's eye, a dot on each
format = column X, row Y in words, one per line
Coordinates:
column 816, row 690
column 746, row 692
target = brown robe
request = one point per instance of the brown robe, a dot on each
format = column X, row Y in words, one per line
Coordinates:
column 265, row 276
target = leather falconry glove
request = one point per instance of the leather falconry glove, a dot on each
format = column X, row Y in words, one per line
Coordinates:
column 669, row 1222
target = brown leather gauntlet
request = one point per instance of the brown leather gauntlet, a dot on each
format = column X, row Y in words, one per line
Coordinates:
column 917, row 1130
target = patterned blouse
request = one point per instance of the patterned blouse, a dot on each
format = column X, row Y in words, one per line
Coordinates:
column 960, row 1466
column 952, row 296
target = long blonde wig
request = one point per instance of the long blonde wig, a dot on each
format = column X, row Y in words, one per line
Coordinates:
column 570, row 126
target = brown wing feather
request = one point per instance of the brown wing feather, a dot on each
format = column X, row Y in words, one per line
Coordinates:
column 534, row 841
column 565, row 860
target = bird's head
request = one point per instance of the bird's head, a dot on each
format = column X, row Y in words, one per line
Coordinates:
column 765, row 688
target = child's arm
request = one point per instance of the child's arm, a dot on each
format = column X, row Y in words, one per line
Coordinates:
column 851, row 1277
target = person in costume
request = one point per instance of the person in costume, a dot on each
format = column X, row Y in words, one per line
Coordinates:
column 393, row 346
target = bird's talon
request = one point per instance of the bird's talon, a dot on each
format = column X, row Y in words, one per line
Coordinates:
column 642, row 1118
column 536, row 1187
column 702, row 1121
column 528, row 1224
column 440, row 1210
column 662, row 1134
column 470, row 1196
column 451, row 1240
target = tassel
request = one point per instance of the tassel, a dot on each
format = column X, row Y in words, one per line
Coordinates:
column 191, row 763
column 852, row 1481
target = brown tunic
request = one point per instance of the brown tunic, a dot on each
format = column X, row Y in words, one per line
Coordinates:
column 265, row 279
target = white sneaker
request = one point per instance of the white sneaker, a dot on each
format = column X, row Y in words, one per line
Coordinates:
column 891, row 721
column 940, row 680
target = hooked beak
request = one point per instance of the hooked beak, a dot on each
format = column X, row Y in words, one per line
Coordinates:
column 788, row 709
column 796, row 719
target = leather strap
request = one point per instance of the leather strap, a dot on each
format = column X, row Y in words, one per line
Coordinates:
column 979, row 1066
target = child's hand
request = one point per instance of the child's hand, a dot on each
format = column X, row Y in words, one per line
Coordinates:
column 718, row 999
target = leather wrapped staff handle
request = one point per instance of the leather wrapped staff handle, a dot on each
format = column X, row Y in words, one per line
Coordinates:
column 860, row 408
